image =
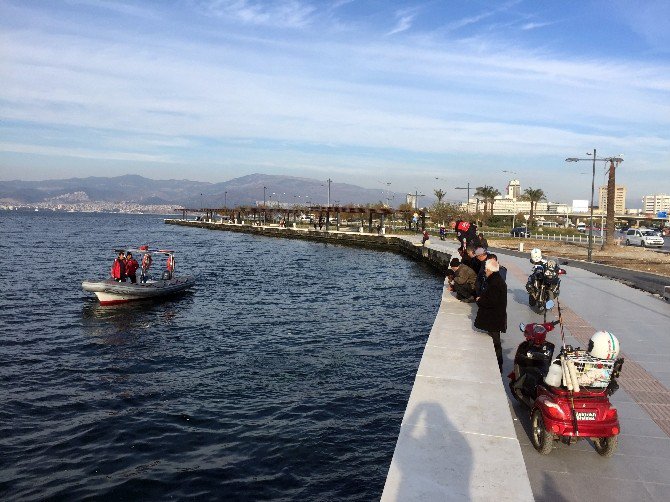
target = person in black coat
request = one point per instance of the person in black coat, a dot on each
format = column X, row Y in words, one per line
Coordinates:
column 492, row 312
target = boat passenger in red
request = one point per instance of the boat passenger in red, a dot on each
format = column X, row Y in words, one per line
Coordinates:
column 131, row 267
column 119, row 268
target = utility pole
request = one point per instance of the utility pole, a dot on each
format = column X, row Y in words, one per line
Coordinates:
column 329, row 182
column 467, row 202
column 610, row 231
column 611, row 195
column 225, row 199
column 264, row 210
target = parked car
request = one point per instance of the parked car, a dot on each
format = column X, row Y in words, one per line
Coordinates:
column 520, row 232
column 643, row 237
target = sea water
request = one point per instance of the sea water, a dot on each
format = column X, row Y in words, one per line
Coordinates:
column 282, row 375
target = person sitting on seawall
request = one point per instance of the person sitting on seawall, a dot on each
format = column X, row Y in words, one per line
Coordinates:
column 492, row 312
column 463, row 282
column 119, row 268
column 131, row 267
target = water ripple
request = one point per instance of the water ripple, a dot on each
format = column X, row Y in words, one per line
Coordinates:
column 283, row 375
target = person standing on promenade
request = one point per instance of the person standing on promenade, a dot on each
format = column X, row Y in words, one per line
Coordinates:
column 131, row 267
column 481, row 257
column 119, row 268
column 425, row 238
column 492, row 312
column 468, row 258
column 482, row 241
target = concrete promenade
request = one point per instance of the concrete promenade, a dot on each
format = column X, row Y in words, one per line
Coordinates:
column 640, row 470
column 457, row 440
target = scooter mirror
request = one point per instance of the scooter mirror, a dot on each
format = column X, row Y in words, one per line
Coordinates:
column 562, row 271
column 522, row 327
column 550, row 304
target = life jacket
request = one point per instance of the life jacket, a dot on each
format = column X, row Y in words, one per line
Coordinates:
column 146, row 262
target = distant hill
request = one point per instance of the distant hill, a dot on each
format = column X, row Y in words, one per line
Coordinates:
column 245, row 190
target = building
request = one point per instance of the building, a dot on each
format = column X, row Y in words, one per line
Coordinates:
column 619, row 199
column 514, row 189
column 655, row 203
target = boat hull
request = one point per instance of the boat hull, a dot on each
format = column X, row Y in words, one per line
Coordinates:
column 111, row 292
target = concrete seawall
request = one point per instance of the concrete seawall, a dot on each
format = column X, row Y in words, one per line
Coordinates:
column 457, row 440
column 437, row 259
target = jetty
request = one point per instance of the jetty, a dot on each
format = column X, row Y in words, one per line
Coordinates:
column 462, row 437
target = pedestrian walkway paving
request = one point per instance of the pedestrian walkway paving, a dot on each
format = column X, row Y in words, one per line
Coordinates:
column 640, row 470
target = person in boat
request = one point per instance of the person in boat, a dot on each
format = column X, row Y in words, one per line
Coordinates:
column 119, row 268
column 131, row 267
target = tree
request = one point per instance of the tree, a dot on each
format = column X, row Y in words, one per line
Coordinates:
column 439, row 193
column 444, row 212
column 532, row 195
column 488, row 194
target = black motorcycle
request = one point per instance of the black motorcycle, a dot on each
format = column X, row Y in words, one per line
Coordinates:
column 544, row 283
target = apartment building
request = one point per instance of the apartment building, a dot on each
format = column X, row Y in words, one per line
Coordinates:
column 619, row 199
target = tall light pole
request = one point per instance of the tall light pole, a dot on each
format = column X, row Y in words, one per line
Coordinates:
column 265, row 211
column 467, row 202
column 329, row 182
column 225, row 199
column 594, row 158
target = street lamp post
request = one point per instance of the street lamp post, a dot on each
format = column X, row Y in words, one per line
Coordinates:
column 225, row 200
column 467, row 202
column 593, row 185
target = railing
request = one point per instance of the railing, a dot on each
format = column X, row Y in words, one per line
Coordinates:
column 583, row 238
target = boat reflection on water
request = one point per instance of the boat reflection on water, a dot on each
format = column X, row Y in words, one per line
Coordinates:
column 123, row 323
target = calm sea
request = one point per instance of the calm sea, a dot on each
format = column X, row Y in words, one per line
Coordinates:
column 284, row 375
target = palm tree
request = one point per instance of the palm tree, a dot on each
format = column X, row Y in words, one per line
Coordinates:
column 439, row 193
column 488, row 194
column 533, row 195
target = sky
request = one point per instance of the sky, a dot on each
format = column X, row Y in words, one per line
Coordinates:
column 412, row 96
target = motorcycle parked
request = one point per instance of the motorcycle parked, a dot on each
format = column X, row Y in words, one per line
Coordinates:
column 544, row 282
column 568, row 396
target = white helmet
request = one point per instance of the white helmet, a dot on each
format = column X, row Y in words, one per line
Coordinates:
column 604, row 345
column 535, row 255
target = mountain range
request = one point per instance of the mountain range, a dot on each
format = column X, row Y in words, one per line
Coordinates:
column 245, row 190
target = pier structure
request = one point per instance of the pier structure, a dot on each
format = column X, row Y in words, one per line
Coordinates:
column 329, row 216
column 463, row 437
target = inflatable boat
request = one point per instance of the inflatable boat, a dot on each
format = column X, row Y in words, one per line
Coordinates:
column 112, row 291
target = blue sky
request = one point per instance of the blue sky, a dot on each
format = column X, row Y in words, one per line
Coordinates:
column 421, row 95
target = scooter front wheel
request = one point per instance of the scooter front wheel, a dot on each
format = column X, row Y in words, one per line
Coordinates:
column 542, row 439
column 606, row 446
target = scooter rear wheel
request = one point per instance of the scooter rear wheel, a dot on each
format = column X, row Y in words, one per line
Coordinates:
column 542, row 439
column 606, row 446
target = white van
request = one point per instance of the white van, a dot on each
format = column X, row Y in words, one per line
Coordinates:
column 581, row 227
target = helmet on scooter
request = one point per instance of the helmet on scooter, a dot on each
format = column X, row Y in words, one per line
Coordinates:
column 535, row 255
column 604, row 345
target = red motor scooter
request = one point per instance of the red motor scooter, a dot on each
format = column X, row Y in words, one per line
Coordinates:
column 568, row 397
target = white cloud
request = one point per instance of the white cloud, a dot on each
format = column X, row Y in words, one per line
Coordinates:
column 290, row 14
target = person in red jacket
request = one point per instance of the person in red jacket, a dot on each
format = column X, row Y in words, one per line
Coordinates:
column 466, row 233
column 131, row 267
column 119, row 268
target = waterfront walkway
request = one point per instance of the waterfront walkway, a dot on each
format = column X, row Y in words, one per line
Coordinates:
column 640, row 470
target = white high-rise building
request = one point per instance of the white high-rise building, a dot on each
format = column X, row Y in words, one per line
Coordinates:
column 655, row 203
